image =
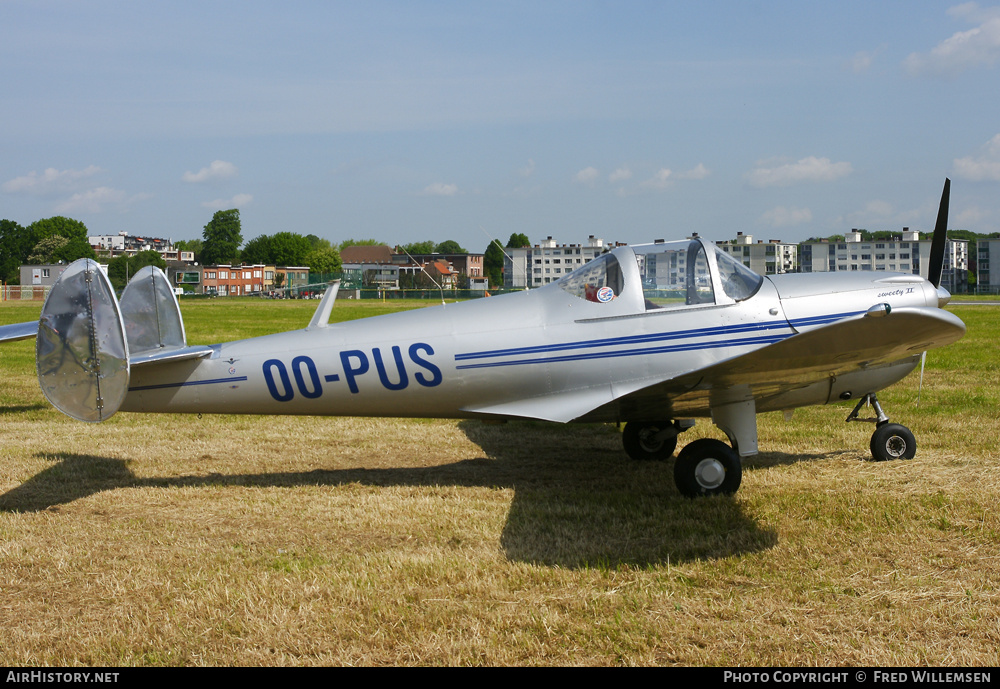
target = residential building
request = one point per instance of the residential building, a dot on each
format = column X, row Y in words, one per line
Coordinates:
column 906, row 253
column 987, row 266
column 44, row 275
column 770, row 258
column 548, row 261
column 112, row 245
column 234, row 281
column 369, row 267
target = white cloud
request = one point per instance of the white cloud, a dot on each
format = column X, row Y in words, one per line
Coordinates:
column 784, row 217
column 440, row 189
column 226, row 204
column 528, row 170
column 970, row 216
column 964, row 49
column 620, row 175
column 811, row 169
column 861, row 61
column 697, row 172
column 985, row 167
column 51, row 181
column 219, row 169
column 587, row 175
column 91, row 201
column 882, row 209
column 661, row 180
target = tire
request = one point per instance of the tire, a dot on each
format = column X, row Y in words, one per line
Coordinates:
column 707, row 467
column 893, row 441
column 639, row 444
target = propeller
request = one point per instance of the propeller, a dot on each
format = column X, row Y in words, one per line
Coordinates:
column 936, row 263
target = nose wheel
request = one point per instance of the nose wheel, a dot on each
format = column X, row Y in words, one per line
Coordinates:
column 890, row 440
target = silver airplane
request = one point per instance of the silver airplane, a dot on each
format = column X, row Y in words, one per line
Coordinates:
column 652, row 335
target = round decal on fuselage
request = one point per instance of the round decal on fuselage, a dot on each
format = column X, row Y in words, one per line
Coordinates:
column 605, row 294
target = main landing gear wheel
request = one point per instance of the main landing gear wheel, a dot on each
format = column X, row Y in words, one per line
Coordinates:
column 707, row 467
column 649, row 441
column 893, row 441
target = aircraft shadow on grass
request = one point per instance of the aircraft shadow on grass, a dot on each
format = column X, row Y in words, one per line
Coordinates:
column 596, row 509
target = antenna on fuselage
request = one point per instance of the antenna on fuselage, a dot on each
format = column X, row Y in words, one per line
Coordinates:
column 440, row 288
column 509, row 257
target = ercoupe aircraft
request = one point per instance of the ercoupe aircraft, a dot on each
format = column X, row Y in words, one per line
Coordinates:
column 651, row 335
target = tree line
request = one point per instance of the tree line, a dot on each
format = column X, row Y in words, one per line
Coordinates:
column 61, row 239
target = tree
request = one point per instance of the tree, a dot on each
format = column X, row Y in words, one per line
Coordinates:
column 46, row 249
column 493, row 264
column 122, row 268
column 77, row 237
column 359, row 242
column 518, row 240
column 15, row 245
column 257, row 250
column 222, row 238
column 289, row 249
column 449, row 246
column 324, row 261
column 318, row 242
column 426, row 247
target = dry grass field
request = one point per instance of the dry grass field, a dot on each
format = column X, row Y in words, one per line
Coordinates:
column 224, row 540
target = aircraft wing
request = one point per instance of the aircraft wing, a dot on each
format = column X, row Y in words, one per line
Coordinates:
column 847, row 346
column 18, row 331
column 797, row 362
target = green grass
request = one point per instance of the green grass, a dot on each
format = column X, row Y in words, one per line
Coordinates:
column 173, row 540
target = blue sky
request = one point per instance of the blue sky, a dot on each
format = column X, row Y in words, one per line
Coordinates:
column 405, row 121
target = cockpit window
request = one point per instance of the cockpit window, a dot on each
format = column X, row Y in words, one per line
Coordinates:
column 738, row 281
column 598, row 281
column 675, row 274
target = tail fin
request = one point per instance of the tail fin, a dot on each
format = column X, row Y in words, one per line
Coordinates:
column 81, row 353
column 151, row 314
column 88, row 341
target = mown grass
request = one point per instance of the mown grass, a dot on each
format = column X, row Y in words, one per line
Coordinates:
column 173, row 540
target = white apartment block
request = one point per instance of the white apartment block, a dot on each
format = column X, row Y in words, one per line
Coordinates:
column 548, row 261
column 768, row 258
column 987, row 266
column 905, row 254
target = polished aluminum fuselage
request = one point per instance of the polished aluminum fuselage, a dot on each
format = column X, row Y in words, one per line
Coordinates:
column 544, row 354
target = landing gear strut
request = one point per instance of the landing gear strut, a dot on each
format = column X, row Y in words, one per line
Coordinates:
column 652, row 441
column 890, row 440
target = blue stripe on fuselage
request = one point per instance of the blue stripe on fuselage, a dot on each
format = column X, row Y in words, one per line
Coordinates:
column 650, row 338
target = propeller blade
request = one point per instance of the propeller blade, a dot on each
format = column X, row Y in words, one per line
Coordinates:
column 936, row 263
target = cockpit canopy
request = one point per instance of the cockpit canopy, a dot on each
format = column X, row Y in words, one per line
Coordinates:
column 671, row 275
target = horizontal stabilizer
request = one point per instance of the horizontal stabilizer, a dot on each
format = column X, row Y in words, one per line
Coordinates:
column 18, row 331
column 159, row 356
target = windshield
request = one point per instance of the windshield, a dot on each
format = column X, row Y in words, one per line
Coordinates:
column 598, row 281
column 675, row 274
column 738, row 281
